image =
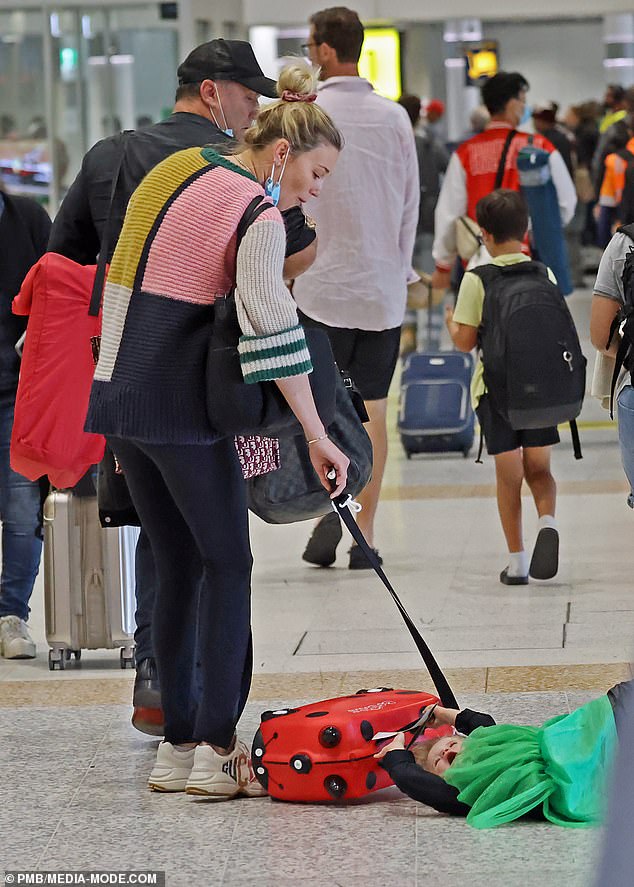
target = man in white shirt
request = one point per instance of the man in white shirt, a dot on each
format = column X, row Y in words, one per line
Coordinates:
column 366, row 220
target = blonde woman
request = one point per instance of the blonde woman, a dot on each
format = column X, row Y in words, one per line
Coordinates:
column 176, row 254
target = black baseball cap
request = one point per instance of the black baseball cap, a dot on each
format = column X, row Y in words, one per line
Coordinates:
column 226, row 60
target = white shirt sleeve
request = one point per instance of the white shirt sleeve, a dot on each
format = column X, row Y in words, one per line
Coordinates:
column 409, row 220
column 452, row 203
column 566, row 192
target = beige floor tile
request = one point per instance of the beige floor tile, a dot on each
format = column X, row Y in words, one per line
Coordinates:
column 566, row 677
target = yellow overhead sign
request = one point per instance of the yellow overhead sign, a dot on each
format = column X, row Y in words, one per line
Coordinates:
column 482, row 62
column 380, row 61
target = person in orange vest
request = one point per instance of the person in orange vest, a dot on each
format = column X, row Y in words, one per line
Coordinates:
column 472, row 170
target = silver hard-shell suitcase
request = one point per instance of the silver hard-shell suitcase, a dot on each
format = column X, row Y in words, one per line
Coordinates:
column 89, row 581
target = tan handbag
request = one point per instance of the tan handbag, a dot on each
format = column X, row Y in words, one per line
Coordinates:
column 420, row 293
column 583, row 184
column 468, row 237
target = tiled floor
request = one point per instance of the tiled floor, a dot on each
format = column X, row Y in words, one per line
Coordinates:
column 74, row 790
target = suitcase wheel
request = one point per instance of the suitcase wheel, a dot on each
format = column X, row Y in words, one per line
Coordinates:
column 56, row 659
column 336, row 786
column 126, row 657
column 68, row 653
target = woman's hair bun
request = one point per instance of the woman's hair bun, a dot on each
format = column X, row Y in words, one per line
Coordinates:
column 299, row 78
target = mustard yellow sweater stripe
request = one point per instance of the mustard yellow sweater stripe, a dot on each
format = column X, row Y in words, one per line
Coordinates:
column 147, row 201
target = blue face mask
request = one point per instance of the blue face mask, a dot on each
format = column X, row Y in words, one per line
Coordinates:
column 272, row 188
column 526, row 115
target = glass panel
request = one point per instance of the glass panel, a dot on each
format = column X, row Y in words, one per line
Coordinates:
column 113, row 69
column 25, row 164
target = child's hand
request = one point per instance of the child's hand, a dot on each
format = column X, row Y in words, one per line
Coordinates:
column 397, row 743
column 448, row 314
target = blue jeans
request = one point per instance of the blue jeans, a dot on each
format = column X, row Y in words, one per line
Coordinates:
column 625, row 413
column 21, row 516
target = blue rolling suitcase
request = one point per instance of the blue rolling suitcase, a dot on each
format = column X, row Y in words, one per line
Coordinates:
column 435, row 414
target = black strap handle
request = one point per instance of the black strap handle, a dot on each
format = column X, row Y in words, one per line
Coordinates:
column 440, row 681
column 501, row 166
column 100, row 273
column 576, row 443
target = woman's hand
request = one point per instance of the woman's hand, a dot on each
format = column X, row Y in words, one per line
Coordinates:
column 326, row 456
column 443, row 716
column 398, row 743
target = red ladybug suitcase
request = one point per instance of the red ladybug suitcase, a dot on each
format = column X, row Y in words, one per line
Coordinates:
column 325, row 751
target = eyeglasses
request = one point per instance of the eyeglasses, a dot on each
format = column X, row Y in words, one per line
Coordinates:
column 306, row 47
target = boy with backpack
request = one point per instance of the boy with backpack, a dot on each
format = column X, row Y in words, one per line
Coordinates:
column 530, row 377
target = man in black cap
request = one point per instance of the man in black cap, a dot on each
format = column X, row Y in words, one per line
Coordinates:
column 216, row 100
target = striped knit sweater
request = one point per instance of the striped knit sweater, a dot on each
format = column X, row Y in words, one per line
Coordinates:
column 175, row 255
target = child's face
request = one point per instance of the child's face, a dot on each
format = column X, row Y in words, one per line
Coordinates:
column 443, row 753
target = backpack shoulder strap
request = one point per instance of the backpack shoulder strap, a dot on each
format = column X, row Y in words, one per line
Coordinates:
column 627, row 229
column 487, row 273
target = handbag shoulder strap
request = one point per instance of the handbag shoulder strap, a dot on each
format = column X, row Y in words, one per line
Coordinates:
column 502, row 165
column 256, row 207
column 446, row 694
column 100, row 274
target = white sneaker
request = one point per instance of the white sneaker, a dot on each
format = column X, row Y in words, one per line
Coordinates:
column 172, row 768
column 223, row 776
column 15, row 640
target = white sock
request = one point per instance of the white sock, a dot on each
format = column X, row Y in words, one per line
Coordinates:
column 518, row 564
column 546, row 520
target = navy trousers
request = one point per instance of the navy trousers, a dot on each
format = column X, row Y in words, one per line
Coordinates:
column 192, row 504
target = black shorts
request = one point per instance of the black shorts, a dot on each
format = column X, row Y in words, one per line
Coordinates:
column 501, row 438
column 369, row 356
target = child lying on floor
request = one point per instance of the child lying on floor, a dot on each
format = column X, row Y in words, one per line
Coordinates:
column 495, row 773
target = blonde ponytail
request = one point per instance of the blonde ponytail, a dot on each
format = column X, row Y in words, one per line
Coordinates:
column 294, row 116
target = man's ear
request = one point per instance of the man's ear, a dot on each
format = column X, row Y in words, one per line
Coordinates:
column 208, row 91
column 326, row 54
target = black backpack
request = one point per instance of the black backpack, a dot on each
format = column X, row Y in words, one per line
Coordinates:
column 534, row 369
column 623, row 323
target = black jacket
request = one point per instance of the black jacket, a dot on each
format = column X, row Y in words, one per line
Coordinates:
column 24, row 231
column 79, row 225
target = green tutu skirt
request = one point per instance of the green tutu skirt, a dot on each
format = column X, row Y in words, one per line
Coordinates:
column 505, row 771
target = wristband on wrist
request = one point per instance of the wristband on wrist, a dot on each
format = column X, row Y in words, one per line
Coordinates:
column 317, row 439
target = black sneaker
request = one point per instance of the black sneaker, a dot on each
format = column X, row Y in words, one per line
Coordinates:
column 147, row 691
column 321, row 549
column 147, row 716
column 358, row 560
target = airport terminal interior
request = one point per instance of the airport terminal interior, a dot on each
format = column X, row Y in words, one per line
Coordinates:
column 77, row 796
column 74, row 789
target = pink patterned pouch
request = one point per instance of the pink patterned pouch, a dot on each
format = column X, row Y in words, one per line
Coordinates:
column 258, row 455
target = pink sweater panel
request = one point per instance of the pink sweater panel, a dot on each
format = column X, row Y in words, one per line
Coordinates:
column 193, row 255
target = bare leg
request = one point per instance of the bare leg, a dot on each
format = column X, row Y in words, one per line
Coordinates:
column 509, row 472
column 369, row 497
column 539, row 479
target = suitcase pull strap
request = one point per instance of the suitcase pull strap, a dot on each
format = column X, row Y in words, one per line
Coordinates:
column 344, row 506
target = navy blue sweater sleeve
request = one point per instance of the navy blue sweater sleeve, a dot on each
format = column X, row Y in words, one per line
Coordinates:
column 468, row 721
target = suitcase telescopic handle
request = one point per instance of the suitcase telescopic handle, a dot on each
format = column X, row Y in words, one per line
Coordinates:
column 341, row 505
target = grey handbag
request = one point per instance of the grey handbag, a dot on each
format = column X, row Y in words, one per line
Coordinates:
column 294, row 492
